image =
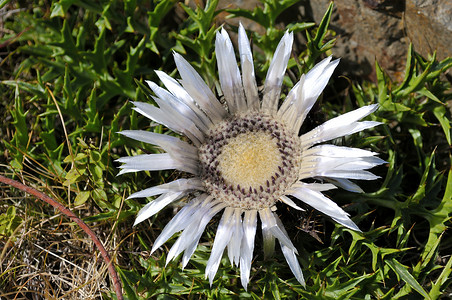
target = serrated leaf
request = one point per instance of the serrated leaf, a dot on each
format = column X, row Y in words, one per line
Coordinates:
column 409, row 69
column 430, row 95
column 437, row 218
column 300, row 26
column 405, row 275
column 323, row 27
column 20, row 137
column 316, row 44
column 67, row 43
column 48, row 137
column 388, row 105
column 440, row 114
column 31, row 88
column 415, row 118
column 428, row 180
column 382, row 80
column 414, row 83
column 99, row 55
column 61, row 7
column 159, row 12
column 370, row 140
column 440, row 68
column 435, row 292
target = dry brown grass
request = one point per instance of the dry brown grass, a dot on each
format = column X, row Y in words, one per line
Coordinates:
column 47, row 256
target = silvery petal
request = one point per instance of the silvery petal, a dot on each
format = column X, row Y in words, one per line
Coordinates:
column 178, row 222
column 305, row 93
column 248, row 77
column 292, row 261
column 318, row 201
column 345, row 184
column 269, row 221
column 177, row 108
column 289, row 202
column 340, row 126
column 222, row 238
column 190, row 249
column 147, row 162
column 173, row 145
column 290, row 256
column 236, row 238
column 171, row 119
column 337, row 151
column 178, row 185
column 156, row 205
column 198, row 90
column 247, row 246
column 275, row 74
column 194, row 229
column 230, row 80
column 180, row 93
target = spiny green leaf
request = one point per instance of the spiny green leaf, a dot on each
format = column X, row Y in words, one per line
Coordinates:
column 438, row 217
column 31, row 88
column 323, row 27
column 405, row 275
column 383, row 81
column 409, row 69
column 300, row 26
column 60, row 8
column 440, row 114
column 99, row 56
column 316, row 45
column 443, row 277
column 67, row 43
column 439, row 68
column 429, row 95
column 202, row 17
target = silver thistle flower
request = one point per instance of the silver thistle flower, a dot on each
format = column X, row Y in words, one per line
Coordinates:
column 244, row 158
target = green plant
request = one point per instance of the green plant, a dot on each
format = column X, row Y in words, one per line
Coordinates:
column 68, row 72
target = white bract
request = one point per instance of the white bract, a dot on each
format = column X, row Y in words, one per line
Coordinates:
column 245, row 155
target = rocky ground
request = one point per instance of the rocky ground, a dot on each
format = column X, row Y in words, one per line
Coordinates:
column 373, row 29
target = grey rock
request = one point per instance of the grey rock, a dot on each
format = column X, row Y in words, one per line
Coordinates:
column 367, row 30
column 429, row 26
column 382, row 30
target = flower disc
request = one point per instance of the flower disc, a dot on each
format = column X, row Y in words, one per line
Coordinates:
column 249, row 161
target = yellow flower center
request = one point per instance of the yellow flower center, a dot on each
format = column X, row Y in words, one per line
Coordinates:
column 249, row 160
